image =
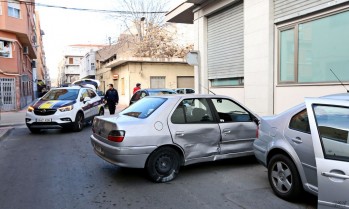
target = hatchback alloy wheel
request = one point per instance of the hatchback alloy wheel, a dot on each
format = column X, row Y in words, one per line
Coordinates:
column 284, row 178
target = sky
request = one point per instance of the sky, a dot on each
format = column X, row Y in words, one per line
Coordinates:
column 66, row 27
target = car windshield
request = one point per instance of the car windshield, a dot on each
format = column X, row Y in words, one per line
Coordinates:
column 144, row 107
column 61, row 94
column 160, row 92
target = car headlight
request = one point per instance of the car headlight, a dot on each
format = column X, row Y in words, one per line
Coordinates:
column 30, row 109
column 66, row 108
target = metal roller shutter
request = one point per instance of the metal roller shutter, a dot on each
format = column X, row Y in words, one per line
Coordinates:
column 225, row 47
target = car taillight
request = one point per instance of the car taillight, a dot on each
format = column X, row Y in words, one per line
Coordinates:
column 116, row 136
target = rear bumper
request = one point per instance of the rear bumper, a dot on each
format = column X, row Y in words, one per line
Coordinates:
column 260, row 151
column 131, row 157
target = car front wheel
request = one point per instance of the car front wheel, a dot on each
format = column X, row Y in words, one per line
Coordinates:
column 284, row 178
column 79, row 122
column 35, row 130
column 163, row 165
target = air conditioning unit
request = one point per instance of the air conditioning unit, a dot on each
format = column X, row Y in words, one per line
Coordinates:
column 26, row 50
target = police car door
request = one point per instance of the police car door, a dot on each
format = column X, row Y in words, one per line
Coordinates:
column 95, row 102
column 85, row 105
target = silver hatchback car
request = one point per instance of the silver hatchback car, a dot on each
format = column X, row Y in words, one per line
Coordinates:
column 162, row 133
column 285, row 146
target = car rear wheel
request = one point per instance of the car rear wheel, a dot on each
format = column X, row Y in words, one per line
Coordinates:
column 163, row 165
column 284, row 178
column 35, row 130
column 79, row 122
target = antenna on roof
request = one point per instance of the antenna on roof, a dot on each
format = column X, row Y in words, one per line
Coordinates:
column 207, row 89
column 339, row 80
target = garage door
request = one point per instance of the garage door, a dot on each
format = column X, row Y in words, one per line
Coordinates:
column 225, row 43
column 185, row 82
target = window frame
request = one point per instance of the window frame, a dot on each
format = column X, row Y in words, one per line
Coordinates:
column 295, row 26
column 293, row 115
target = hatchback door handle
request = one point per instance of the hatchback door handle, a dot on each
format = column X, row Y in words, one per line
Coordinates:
column 179, row 133
column 226, row 131
column 335, row 175
column 297, row 140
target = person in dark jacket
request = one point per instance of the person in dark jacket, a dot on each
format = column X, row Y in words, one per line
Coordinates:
column 112, row 98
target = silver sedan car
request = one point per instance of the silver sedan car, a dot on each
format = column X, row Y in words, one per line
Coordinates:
column 285, row 146
column 163, row 133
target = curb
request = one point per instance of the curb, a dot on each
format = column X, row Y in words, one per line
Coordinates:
column 5, row 132
column 11, row 124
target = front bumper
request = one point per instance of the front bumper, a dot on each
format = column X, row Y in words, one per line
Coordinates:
column 54, row 121
column 131, row 157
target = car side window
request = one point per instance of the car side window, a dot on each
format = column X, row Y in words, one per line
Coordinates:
column 136, row 96
column 229, row 111
column 143, row 94
column 190, row 91
column 192, row 111
column 84, row 94
column 332, row 123
column 300, row 122
column 91, row 93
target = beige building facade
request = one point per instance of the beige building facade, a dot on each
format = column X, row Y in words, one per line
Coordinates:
column 125, row 73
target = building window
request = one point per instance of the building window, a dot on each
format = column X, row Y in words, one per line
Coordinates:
column 157, row 82
column 308, row 51
column 13, row 10
column 5, row 49
column 71, row 60
column 227, row 82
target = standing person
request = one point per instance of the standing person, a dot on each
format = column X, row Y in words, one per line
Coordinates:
column 112, row 98
column 138, row 86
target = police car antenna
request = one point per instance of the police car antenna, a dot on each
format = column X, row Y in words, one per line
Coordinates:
column 339, row 80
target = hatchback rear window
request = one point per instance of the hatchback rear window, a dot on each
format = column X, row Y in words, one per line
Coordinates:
column 144, row 107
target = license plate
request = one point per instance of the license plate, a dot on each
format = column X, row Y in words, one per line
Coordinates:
column 99, row 149
column 43, row 120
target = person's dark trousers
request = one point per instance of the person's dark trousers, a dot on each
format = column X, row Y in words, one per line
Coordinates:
column 111, row 107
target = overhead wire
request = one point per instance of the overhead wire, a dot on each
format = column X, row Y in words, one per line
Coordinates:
column 84, row 9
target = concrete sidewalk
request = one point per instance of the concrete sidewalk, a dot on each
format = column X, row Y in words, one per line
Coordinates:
column 10, row 119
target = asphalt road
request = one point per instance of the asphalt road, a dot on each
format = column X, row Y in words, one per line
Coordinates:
column 57, row 169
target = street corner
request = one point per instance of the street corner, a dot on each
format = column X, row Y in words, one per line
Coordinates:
column 4, row 131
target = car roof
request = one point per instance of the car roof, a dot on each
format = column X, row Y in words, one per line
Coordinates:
column 341, row 96
column 158, row 89
column 73, row 87
column 192, row 96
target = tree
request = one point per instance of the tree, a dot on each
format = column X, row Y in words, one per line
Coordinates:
column 147, row 34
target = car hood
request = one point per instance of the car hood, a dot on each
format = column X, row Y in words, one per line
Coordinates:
column 52, row 104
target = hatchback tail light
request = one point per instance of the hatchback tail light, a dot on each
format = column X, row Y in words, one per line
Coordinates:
column 116, row 136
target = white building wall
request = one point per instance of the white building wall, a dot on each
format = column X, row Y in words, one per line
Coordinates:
column 258, row 67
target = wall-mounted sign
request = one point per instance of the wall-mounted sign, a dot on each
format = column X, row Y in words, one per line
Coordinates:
column 115, row 76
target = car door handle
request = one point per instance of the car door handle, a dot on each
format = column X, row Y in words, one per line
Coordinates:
column 226, row 131
column 335, row 175
column 179, row 133
column 297, row 140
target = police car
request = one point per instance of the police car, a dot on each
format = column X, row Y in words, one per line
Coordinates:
column 64, row 108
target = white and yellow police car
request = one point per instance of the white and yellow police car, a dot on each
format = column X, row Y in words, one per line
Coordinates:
column 64, row 108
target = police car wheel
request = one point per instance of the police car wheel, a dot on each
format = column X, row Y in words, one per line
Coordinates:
column 34, row 130
column 79, row 122
column 101, row 111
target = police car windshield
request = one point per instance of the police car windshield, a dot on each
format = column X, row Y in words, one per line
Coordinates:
column 61, row 94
